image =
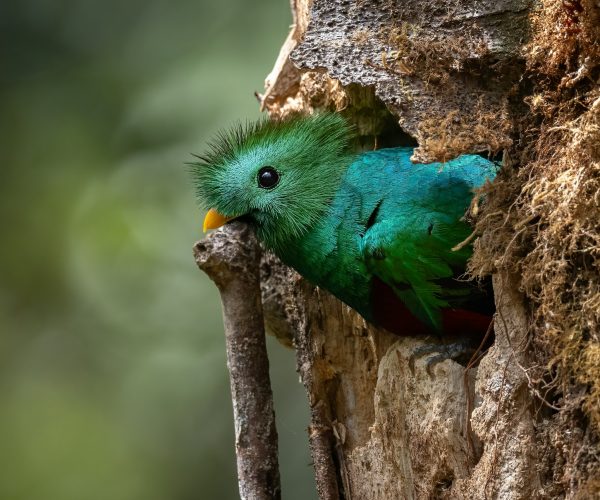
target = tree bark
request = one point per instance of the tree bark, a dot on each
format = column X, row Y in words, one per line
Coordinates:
column 459, row 77
column 231, row 257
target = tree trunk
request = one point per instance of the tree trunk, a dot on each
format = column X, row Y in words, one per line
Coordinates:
column 505, row 76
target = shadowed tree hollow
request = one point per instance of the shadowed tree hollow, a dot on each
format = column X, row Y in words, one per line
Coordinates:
column 512, row 78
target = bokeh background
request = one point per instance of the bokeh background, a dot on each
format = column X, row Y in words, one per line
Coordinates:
column 113, row 383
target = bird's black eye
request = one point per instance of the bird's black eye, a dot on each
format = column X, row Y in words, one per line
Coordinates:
column 268, row 177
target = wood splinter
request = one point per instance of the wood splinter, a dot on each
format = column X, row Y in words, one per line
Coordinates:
column 230, row 257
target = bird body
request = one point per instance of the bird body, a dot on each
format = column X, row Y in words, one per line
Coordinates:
column 373, row 228
column 391, row 227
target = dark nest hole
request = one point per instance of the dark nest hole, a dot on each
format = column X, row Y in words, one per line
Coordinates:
column 378, row 128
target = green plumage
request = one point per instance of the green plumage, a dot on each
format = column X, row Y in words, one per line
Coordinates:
column 308, row 152
column 346, row 220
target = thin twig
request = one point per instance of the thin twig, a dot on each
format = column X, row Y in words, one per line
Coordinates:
column 230, row 257
column 321, row 436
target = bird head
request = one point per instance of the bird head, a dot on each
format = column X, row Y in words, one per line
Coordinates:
column 278, row 175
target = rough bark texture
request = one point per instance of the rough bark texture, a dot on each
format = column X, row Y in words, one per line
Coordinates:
column 231, row 259
column 388, row 431
column 444, row 69
column 459, row 76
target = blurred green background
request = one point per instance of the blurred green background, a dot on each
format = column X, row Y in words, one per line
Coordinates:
column 113, row 379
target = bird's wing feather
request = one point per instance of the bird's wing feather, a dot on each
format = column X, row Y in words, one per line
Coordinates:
column 413, row 254
column 411, row 218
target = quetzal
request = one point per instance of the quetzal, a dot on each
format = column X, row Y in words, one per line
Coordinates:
column 373, row 228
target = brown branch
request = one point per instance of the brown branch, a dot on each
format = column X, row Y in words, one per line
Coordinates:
column 320, row 433
column 320, row 439
column 230, row 258
column 285, row 298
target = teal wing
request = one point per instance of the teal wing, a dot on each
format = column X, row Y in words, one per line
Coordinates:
column 418, row 218
column 414, row 256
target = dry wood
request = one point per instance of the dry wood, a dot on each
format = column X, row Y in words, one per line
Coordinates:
column 230, row 257
column 453, row 74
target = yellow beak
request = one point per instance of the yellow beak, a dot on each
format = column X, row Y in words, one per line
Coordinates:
column 214, row 219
